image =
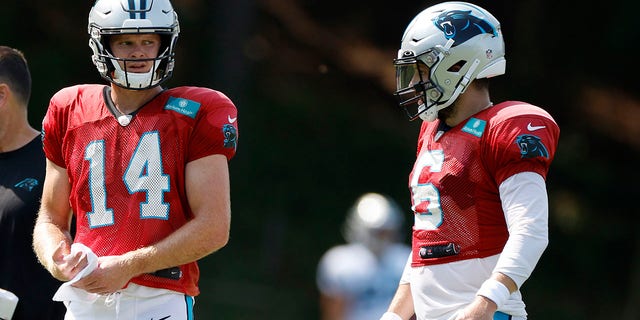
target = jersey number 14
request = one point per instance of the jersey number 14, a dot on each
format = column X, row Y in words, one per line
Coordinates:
column 143, row 174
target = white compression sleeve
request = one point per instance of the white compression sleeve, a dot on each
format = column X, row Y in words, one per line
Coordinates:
column 526, row 210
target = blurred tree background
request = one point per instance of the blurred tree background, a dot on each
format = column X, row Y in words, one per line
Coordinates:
column 313, row 83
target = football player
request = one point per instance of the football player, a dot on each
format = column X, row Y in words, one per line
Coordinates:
column 143, row 168
column 357, row 280
column 478, row 187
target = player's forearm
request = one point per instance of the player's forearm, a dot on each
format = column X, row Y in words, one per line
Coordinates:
column 520, row 256
column 525, row 202
column 506, row 281
column 493, row 293
column 402, row 302
column 54, row 218
column 193, row 241
column 46, row 238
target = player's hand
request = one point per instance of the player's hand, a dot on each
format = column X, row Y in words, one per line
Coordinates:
column 67, row 265
column 110, row 276
column 480, row 309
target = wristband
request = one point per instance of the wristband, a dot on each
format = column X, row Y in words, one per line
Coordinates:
column 495, row 291
column 390, row 316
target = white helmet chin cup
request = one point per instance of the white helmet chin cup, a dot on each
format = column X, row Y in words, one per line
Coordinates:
column 428, row 115
column 133, row 80
column 452, row 43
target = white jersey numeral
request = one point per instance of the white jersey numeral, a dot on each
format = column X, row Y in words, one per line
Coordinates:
column 100, row 215
column 426, row 197
column 143, row 174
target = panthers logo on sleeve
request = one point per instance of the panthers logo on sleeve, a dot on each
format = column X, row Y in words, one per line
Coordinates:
column 531, row 146
column 230, row 136
column 461, row 26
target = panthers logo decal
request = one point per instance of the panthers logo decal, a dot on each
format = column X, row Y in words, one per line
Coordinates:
column 531, row 147
column 230, row 136
column 27, row 184
column 461, row 26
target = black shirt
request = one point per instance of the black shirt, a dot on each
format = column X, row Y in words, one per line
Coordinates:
column 22, row 173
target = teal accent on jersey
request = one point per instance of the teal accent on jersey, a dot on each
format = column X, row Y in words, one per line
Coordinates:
column 475, row 127
column 184, row 106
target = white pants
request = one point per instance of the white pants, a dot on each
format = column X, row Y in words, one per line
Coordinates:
column 440, row 291
column 133, row 303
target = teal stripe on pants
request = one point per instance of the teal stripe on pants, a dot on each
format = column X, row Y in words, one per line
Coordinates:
column 189, row 302
column 501, row 316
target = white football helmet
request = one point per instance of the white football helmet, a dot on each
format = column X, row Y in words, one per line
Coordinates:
column 374, row 220
column 111, row 17
column 455, row 42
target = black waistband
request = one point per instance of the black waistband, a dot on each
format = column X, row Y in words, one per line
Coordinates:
column 173, row 273
column 437, row 251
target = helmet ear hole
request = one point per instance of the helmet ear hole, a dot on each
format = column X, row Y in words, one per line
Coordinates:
column 457, row 66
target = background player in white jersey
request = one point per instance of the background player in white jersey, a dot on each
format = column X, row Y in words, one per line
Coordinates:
column 143, row 168
column 478, row 183
column 357, row 280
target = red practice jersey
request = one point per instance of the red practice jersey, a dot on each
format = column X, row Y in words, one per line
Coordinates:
column 127, row 182
column 455, row 180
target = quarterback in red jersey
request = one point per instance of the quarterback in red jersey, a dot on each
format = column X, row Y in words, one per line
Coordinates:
column 478, row 184
column 144, row 170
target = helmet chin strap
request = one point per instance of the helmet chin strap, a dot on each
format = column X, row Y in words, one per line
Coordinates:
column 429, row 114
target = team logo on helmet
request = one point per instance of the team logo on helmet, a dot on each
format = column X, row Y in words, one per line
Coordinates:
column 230, row 136
column 461, row 26
column 531, row 147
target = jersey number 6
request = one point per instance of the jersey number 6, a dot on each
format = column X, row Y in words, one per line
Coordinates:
column 425, row 196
